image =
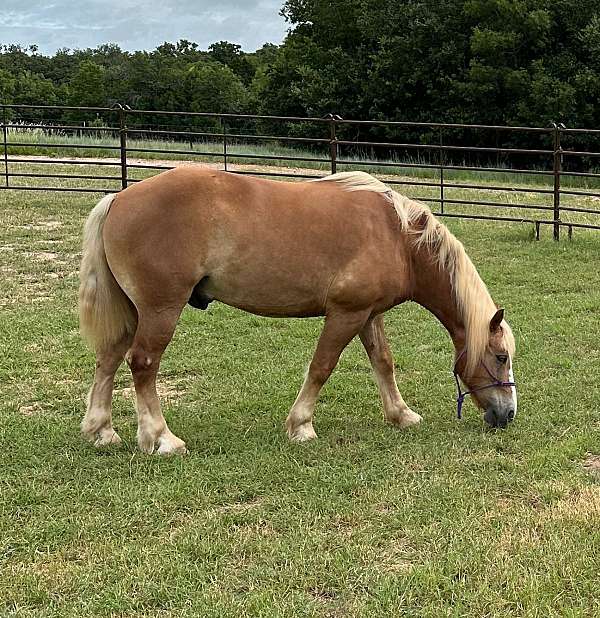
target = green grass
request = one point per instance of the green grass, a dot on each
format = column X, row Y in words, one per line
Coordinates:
column 449, row 519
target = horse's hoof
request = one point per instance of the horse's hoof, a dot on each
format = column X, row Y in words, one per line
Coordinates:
column 107, row 437
column 303, row 433
column 166, row 452
column 405, row 418
column 100, row 437
column 171, row 445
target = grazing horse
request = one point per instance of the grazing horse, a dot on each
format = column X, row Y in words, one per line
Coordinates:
column 345, row 247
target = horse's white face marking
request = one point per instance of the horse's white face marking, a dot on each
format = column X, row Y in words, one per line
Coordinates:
column 511, row 378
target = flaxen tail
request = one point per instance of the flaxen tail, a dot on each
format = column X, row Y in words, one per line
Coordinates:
column 105, row 313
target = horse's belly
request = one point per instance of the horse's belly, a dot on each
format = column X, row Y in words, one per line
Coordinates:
column 274, row 297
column 298, row 310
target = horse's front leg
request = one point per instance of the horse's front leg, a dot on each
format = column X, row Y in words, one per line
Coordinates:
column 340, row 327
column 376, row 344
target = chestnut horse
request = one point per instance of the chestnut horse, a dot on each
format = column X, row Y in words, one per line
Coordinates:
column 345, row 247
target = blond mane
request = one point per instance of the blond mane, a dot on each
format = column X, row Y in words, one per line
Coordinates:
column 473, row 300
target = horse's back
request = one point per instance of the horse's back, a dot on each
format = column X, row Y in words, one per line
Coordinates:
column 266, row 246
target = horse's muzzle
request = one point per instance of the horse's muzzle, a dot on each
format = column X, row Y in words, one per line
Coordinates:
column 499, row 419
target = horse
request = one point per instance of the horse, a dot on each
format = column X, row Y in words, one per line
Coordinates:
column 345, row 247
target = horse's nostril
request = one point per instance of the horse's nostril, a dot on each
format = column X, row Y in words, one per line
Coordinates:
column 511, row 415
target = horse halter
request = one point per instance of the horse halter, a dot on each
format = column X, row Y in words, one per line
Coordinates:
column 460, row 394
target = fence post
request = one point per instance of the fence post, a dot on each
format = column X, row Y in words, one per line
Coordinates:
column 224, row 124
column 5, row 136
column 333, row 144
column 556, row 170
column 123, row 144
column 442, row 161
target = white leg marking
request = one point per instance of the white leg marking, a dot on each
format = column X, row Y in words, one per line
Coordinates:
column 299, row 421
column 153, row 432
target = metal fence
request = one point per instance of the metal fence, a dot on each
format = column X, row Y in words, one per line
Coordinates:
column 496, row 179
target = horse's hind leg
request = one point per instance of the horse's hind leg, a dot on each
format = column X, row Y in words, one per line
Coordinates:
column 97, row 422
column 376, row 344
column 337, row 333
column 154, row 332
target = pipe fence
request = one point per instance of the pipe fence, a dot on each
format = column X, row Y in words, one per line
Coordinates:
column 544, row 176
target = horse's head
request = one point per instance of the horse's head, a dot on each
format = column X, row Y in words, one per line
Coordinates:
column 491, row 383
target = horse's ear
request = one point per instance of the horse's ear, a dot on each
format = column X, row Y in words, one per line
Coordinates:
column 496, row 321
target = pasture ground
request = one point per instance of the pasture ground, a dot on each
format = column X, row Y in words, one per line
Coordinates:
column 448, row 519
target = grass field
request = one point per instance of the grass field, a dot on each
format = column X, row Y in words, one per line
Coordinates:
column 449, row 519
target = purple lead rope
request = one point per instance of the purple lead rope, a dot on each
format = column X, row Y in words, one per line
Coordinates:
column 460, row 394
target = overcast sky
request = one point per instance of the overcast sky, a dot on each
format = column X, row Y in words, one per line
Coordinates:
column 135, row 24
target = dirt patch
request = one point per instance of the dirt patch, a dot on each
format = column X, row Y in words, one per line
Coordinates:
column 31, row 409
column 49, row 242
column 231, row 167
column 176, row 163
column 323, row 595
column 41, row 256
column 41, row 225
column 239, row 507
column 166, row 389
column 391, row 562
column 591, row 464
column 394, row 556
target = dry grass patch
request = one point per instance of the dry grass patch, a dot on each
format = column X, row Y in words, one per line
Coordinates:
column 31, row 410
column 41, row 256
column 168, row 389
column 579, row 504
column 40, row 225
column 591, row 464
column 394, row 557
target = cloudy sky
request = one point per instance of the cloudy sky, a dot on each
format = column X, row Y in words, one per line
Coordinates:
column 135, row 24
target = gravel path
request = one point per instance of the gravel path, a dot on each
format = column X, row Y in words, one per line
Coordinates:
column 172, row 163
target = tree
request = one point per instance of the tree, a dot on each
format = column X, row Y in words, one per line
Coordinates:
column 87, row 87
column 33, row 89
column 214, row 87
column 231, row 55
column 484, row 61
column 7, row 87
column 471, row 61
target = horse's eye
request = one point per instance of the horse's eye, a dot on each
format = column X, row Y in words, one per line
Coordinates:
column 502, row 358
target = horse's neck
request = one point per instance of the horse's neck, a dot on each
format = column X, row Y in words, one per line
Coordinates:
column 432, row 289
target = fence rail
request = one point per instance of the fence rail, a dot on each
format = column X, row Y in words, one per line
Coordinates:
column 128, row 141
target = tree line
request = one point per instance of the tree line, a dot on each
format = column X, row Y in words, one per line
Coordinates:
column 524, row 62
